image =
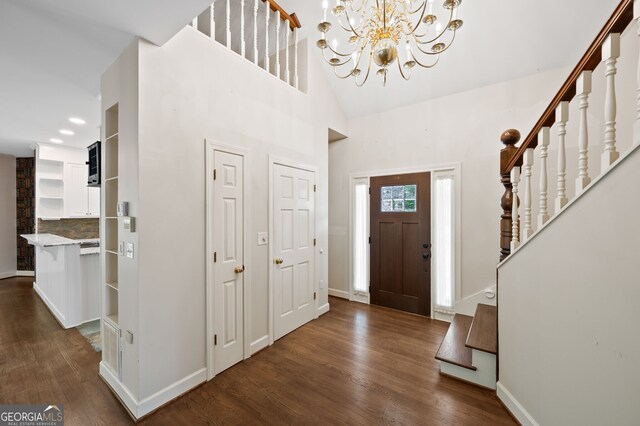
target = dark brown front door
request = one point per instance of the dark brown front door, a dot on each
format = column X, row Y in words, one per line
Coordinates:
column 401, row 242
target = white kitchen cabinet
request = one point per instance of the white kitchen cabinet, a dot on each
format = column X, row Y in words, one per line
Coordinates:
column 80, row 201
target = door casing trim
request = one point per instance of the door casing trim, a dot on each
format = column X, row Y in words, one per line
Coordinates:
column 210, row 147
column 456, row 168
column 287, row 162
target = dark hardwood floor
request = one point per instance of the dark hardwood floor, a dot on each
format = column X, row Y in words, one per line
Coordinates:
column 357, row 364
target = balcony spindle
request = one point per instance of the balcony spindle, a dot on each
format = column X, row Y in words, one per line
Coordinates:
column 610, row 55
column 295, row 63
column 636, row 126
column 286, row 54
column 562, row 116
column 278, row 19
column 515, row 225
column 212, row 20
column 527, row 165
column 583, row 88
column 267, row 12
column 543, row 144
column 242, row 42
column 255, row 32
column 228, row 24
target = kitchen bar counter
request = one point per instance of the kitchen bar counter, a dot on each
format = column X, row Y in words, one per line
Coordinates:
column 67, row 277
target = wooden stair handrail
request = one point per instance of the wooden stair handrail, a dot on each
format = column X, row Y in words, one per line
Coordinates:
column 617, row 23
column 292, row 18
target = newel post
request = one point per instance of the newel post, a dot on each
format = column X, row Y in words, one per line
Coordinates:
column 509, row 138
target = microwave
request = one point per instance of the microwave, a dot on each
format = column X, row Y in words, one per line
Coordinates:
column 94, row 164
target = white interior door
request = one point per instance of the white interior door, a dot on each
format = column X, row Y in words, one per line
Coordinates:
column 228, row 266
column 293, row 236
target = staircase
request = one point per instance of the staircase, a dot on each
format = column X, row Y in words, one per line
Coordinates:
column 468, row 351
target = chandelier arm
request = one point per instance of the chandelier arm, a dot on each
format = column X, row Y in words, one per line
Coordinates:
column 424, row 9
column 338, row 53
column 350, row 26
column 424, row 3
column 366, row 77
column 444, row 30
column 339, row 64
column 402, row 73
column 426, row 66
column 335, row 71
column 437, row 53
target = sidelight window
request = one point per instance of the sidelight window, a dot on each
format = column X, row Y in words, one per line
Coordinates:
column 360, row 236
column 444, row 240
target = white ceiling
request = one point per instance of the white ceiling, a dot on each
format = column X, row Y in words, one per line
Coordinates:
column 500, row 40
column 52, row 54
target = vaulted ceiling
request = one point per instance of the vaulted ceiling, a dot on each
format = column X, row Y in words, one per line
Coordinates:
column 52, row 54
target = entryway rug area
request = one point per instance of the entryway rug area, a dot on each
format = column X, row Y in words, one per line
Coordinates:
column 91, row 331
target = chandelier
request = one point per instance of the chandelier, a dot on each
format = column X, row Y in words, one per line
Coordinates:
column 376, row 29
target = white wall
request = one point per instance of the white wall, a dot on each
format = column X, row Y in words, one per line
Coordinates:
column 7, row 216
column 463, row 128
column 185, row 97
column 568, row 318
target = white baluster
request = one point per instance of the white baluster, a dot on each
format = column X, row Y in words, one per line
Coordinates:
column 583, row 88
column 242, row 43
column 228, row 24
column 543, row 146
column 527, row 165
column 212, row 22
column 278, row 19
column 287, row 30
column 636, row 126
column 194, row 23
column 610, row 55
column 562, row 116
column 266, row 35
column 255, row 32
column 515, row 226
column 295, row 57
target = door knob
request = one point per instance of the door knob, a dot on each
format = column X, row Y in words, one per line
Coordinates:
column 425, row 255
column 239, row 269
column 278, row 261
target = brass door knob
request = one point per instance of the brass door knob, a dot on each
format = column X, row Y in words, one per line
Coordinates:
column 278, row 261
column 239, row 269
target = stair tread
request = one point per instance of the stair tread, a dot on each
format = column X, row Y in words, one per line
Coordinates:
column 453, row 349
column 483, row 334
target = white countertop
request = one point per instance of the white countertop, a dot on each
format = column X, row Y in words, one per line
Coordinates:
column 48, row 240
column 52, row 240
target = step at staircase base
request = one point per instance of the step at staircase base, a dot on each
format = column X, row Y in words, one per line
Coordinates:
column 484, row 375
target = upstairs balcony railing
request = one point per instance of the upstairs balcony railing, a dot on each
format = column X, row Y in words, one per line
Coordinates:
column 260, row 31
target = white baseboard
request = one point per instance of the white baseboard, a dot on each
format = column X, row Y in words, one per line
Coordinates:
column 25, row 274
column 259, row 344
column 339, row 293
column 8, row 274
column 171, row 392
column 155, row 401
column 514, row 406
column 323, row 309
column 123, row 394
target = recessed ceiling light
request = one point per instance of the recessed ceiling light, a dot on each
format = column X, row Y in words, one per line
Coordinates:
column 76, row 120
column 55, row 140
column 67, row 132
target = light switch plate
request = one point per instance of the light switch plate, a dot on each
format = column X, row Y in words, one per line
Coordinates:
column 129, row 253
column 122, row 208
column 129, row 224
column 262, row 238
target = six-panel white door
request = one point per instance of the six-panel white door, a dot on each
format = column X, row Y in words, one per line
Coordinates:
column 293, row 252
column 228, row 267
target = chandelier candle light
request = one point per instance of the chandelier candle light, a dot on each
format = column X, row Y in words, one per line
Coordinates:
column 376, row 30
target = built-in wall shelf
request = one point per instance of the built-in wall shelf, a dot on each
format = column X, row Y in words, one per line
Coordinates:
column 111, row 354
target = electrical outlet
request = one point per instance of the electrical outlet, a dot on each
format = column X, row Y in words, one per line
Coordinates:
column 262, row 238
column 129, row 250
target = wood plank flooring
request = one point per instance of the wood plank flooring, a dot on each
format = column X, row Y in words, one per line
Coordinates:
column 355, row 365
